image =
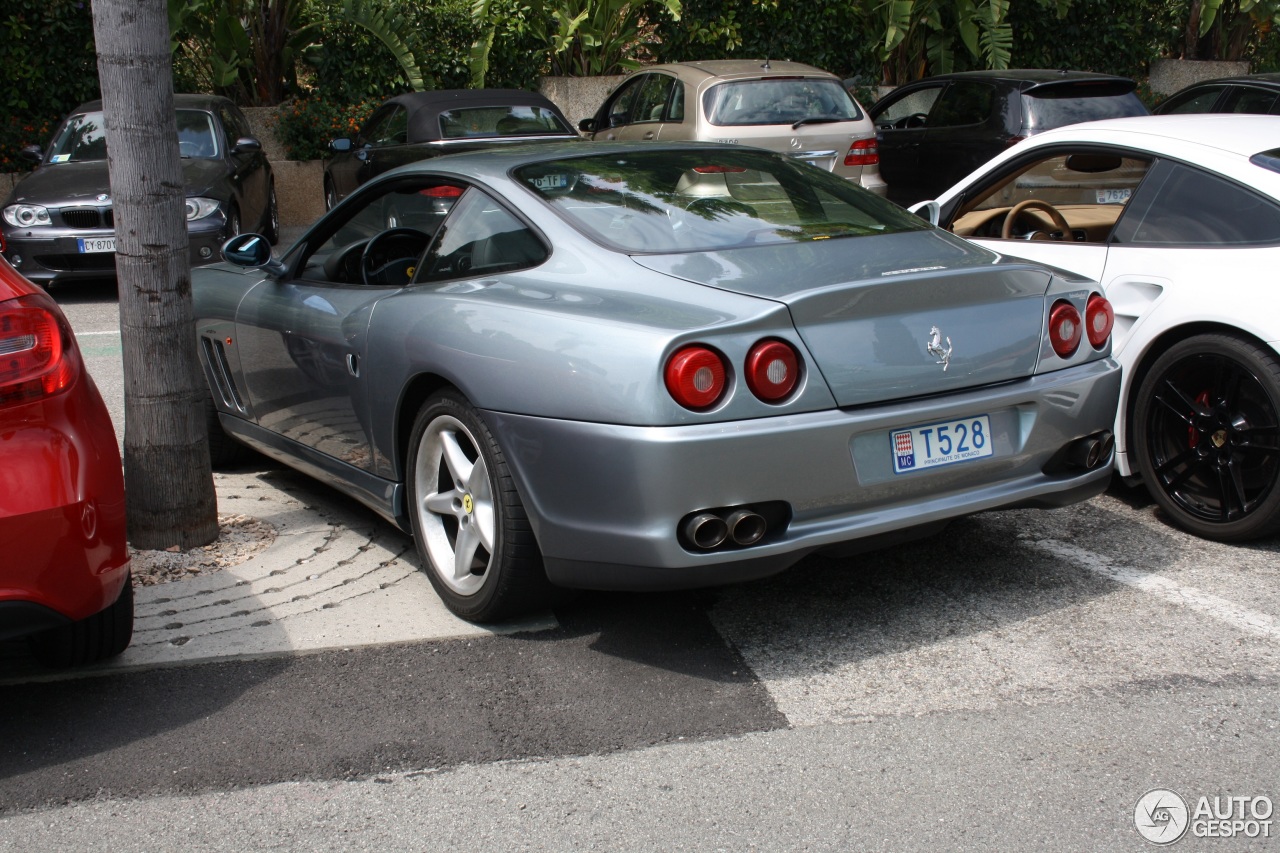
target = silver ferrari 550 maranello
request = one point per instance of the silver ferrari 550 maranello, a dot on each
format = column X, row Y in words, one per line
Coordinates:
column 649, row 365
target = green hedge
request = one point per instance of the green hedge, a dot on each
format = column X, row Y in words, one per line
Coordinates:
column 46, row 50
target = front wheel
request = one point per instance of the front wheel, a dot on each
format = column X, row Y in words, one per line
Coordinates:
column 1207, row 437
column 471, row 530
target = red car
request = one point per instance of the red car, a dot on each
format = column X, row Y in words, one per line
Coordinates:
column 64, row 565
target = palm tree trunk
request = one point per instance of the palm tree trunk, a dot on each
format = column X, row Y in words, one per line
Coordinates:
column 168, row 481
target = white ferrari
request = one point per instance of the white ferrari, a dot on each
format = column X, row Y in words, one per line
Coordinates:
column 1179, row 218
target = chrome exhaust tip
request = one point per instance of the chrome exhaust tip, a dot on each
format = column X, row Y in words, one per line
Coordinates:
column 746, row 527
column 1092, row 451
column 706, row 530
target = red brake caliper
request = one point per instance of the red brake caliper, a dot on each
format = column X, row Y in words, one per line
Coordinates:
column 1193, row 435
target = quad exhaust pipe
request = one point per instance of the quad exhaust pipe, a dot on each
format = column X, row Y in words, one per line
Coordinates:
column 712, row 529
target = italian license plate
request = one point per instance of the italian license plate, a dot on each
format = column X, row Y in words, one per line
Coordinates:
column 942, row 443
column 96, row 244
column 1113, row 196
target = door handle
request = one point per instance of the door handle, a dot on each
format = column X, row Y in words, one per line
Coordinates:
column 353, row 364
column 649, row 135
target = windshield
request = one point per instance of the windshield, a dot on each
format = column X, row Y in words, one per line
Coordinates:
column 778, row 100
column 704, row 199
column 1057, row 106
column 82, row 138
column 500, row 121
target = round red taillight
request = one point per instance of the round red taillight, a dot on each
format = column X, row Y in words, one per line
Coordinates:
column 695, row 377
column 773, row 369
column 1099, row 319
column 863, row 152
column 1064, row 328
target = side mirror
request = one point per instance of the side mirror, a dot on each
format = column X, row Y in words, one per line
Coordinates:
column 252, row 251
column 34, row 153
column 587, row 125
column 247, row 144
column 340, row 145
column 930, row 211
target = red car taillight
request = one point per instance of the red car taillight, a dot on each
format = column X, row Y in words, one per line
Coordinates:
column 34, row 357
column 696, row 377
column 773, row 369
column 1064, row 328
column 1099, row 319
column 863, row 152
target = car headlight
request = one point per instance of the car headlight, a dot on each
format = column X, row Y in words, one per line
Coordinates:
column 26, row 215
column 199, row 208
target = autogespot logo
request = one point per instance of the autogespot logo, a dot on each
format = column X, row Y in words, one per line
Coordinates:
column 1161, row 816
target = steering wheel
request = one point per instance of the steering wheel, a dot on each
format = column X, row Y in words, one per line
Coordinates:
column 911, row 121
column 390, row 258
column 1059, row 221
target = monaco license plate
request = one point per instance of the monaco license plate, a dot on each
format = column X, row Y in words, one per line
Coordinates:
column 551, row 182
column 942, row 443
column 96, row 244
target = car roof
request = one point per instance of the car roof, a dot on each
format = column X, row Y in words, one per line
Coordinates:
column 1270, row 79
column 1236, row 133
column 738, row 69
column 424, row 108
column 1027, row 77
column 180, row 101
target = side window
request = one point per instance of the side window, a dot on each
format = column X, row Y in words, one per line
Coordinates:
column 1088, row 188
column 962, row 103
column 620, row 107
column 1181, row 205
column 1245, row 99
column 1199, row 101
column 910, row 110
column 481, row 237
column 651, row 100
column 676, row 111
column 388, row 127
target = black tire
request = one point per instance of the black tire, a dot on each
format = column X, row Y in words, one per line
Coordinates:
column 224, row 451
column 1206, row 433
column 272, row 232
column 103, row 635
column 450, row 510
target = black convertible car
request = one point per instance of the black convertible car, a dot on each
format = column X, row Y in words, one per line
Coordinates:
column 422, row 125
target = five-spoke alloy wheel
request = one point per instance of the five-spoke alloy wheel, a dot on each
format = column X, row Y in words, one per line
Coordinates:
column 1207, row 436
column 469, row 525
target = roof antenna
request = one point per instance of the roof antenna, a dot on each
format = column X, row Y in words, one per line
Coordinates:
column 766, row 64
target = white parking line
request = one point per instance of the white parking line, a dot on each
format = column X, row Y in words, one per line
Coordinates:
column 1221, row 609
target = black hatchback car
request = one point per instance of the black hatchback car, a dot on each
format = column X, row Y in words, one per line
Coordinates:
column 59, row 222
column 935, row 131
column 1257, row 94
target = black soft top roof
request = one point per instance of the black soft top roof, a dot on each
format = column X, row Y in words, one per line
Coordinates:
column 424, row 108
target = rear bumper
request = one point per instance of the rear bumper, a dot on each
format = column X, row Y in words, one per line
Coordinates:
column 606, row 502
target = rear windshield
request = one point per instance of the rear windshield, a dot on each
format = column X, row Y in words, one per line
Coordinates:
column 705, row 199
column 500, row 121
column 778, row 100
column 1056, row 106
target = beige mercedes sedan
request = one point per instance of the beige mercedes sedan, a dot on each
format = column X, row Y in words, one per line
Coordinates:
column 788, row 107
